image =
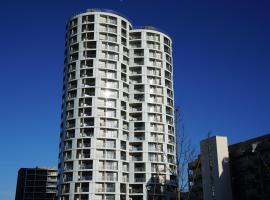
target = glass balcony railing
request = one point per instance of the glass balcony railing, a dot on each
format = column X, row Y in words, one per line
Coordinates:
column 85, row 178
column 136, row 149
column 86, row 166
column 139, row 179
column 139, row 169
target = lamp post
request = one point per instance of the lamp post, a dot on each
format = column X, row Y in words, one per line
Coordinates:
column 148, row 188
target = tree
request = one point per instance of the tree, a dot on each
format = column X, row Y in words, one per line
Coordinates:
column 185, row 151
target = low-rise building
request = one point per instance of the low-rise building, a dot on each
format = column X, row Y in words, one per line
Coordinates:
column 249, row 169
column 36, row 183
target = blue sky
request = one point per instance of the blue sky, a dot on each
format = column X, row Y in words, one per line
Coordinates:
column 221, row 60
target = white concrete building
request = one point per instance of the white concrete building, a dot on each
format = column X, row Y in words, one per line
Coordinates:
column 117, row 130
column 215, row 169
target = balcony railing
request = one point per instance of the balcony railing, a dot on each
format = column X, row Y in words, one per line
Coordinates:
column 81, row 145
column 139, row 179
column 136, row 149
column 109, row 167
column 139, row 169
column 67, row 178
column 108, row 178
column 82, row 189
column 100, row 189
column 86, row 166
column 139, row 128
column 137, row 158
column 135, row 190
column 85, row 178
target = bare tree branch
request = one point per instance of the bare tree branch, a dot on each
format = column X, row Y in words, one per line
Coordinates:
column 186, row 152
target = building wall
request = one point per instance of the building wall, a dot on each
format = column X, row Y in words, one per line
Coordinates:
column 215, row 169
column 107, row 123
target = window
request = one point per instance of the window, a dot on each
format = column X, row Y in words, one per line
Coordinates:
column 107, row 112
column 109, row 37
column 135, row 35
column 135, row 44
column 88, row 18
column 87, row 63
column 167, row 41
column 107, row 74
column 152, row 36
column 108, row 64
column 109, row 93
column 108, row 28
column 87, row 27
column 108, row 133
column 90, row 45
column 89, row 54
column 87, row 36
column 124, row 24
column 109, row 84
column 112, row 20
column 109, row 122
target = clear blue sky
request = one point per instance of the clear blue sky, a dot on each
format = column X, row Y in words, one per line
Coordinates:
column 221, row 60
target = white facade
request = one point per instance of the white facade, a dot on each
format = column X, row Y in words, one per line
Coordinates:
column 117, row 131
column 215, row 169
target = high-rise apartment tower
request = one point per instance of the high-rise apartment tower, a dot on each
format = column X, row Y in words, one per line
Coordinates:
column 117, row 131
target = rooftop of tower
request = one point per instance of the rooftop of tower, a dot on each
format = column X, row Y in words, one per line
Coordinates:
column 107, row 11
column 151, row 28
column 124, row 16
column 103, row 10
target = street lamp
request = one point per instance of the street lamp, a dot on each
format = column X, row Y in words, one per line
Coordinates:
column 148, row 188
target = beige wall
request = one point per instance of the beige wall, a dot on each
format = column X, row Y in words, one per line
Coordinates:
column 215, row 169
